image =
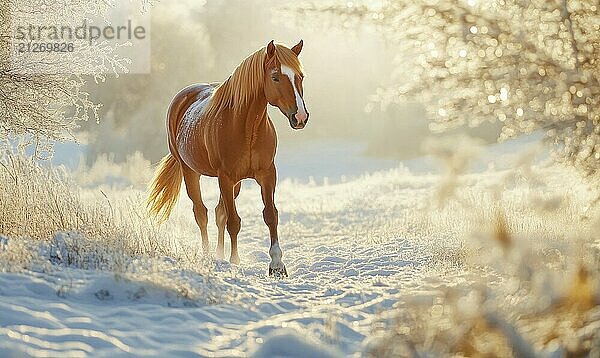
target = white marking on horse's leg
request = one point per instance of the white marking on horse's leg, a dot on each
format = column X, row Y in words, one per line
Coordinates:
column 275, row 252
column 276, row 267
column 299, row 100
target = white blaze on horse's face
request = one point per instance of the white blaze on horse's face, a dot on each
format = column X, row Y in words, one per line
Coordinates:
column 301, row 115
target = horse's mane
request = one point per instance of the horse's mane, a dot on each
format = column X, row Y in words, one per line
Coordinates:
column 247, row 80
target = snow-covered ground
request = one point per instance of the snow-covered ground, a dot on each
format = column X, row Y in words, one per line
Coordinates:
column 357, row 252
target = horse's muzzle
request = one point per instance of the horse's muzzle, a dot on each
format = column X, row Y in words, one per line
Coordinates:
column 295, row 124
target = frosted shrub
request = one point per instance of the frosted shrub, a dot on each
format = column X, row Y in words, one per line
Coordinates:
column 528, row 65
column 530, row 268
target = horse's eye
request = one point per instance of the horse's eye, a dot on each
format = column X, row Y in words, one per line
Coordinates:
column 275, row 79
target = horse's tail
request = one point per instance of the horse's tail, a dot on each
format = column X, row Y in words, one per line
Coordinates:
column 164, row 189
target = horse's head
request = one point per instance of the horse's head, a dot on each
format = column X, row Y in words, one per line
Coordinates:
column 283, row 82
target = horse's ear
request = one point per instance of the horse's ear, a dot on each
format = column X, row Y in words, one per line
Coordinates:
column 270, row 49
column 298, row 48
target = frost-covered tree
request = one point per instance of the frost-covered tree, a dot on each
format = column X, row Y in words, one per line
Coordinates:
column 42, row 106
column 532, row 65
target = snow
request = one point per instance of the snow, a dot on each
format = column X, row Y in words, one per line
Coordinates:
column 288, row 343
column 355, row 252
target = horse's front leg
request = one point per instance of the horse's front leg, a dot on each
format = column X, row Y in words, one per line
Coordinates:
column 267, row 180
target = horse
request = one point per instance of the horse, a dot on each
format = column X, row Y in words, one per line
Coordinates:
column 223, row 130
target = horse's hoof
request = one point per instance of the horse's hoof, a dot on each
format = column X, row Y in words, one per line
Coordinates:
column 277, row 271
column 235, row 260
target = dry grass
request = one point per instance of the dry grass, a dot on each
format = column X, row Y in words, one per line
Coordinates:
column 39, row 201
column 47, row 219
column 533, row 288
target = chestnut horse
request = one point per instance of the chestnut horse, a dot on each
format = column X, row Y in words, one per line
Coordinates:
column 223, row 130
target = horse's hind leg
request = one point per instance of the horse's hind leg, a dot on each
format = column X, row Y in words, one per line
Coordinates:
column 192, row 186
column 221, row 219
